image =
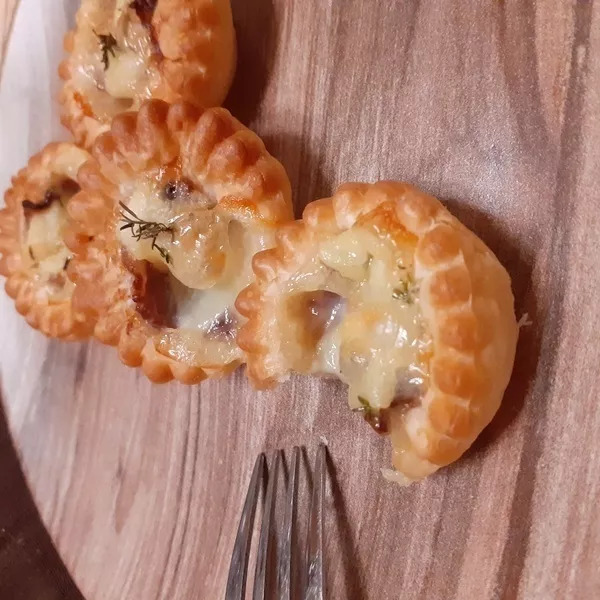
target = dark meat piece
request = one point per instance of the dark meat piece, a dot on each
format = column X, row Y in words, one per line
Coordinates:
column 176, row 189
column 66, row 188
column 151, row 291
column 223, row 326
column 321, row 310
column 378, row 420
column 144, row 9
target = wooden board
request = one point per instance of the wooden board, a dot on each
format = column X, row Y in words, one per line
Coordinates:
column 30, row 568
column 7, row 11
column 494, row 106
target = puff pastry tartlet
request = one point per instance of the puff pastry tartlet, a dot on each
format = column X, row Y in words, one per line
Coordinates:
column 382, row 287
column 33, row 255
column 177, row 201
column 123, row 52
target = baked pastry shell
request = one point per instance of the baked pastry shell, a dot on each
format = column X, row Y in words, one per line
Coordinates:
column 54, row 319
column 466, row 303
column 195, row 57
column 217, row 151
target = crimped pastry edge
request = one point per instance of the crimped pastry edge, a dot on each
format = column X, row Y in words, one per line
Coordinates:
column 197, row 67
column 466, row 302
column 56, row 320
column 220, row 151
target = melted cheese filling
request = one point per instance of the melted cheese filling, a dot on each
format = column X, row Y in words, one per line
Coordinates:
column 371, row 332
column 126, row 76
column 130, row 73
column 44, row 251
column 209, row 261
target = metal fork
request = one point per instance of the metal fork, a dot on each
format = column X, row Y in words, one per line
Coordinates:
column 314, row 563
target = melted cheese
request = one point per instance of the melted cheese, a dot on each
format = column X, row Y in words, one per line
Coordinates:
column 67, row 162
column 210, row 262
column 144, row 199
column 195, row 240
column 376, row 347
column 44, row 252
column 327, row 356
column 44, row 239
column 198, row 309
column 121, row 6
column 131, row 75
column 125, row 72
column 348, row 254
column 195, row 349
column 197, row 338
column 376, row 357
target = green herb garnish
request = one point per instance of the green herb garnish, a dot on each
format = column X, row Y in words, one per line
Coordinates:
column 375, row 417
column 405, row 291
column 364, row 403
column 108, row 44
column 365, row 408
column 145, row 230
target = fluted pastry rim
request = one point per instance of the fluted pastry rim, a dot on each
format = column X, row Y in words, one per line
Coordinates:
column 218, row 151
column 193, row 56
column 466, row 302
column 54, row 319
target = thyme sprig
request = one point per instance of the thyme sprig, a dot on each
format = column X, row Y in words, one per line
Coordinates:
column 365, row 407
column 145, row 230
column 375, row 417
column 406, row 291
column 365, row 404
column 108, row 44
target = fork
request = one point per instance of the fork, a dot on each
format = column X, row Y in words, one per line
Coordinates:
column 314, row 563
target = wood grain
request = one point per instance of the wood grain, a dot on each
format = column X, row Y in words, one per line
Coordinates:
column 30, row 568
column 7, row 11
column 494, row 106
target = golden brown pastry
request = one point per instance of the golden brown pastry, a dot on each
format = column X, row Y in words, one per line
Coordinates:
column 33, row 255
column 123, row 52
column 177, row 202
column 383, row 288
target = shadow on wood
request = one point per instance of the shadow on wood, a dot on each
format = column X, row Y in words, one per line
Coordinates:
column 304, row 168
column 520, row 268
column 345, row 545
column 30, row 568
column 256, row 36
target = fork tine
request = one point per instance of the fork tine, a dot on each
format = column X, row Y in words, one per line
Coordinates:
column 263, row 553
column 284, row 570
column 314, row 552
column 238, row 569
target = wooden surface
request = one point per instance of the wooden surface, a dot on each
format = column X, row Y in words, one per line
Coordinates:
column 494, row 106
column 7, row 10
column 30, row 568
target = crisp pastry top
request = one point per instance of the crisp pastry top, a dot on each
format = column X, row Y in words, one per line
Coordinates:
column 33, row 255
column 177, row 201
column 383, row 288
column 122, row 52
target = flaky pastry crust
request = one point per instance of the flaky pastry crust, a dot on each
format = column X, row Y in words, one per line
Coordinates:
column 33, row 256
column 123, row 52
column 463, row 294
column 216, row 161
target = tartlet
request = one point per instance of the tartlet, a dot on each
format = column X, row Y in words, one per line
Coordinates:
column 123, row 52
column 175, row 202
column 33, row 255
column 383, row 288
